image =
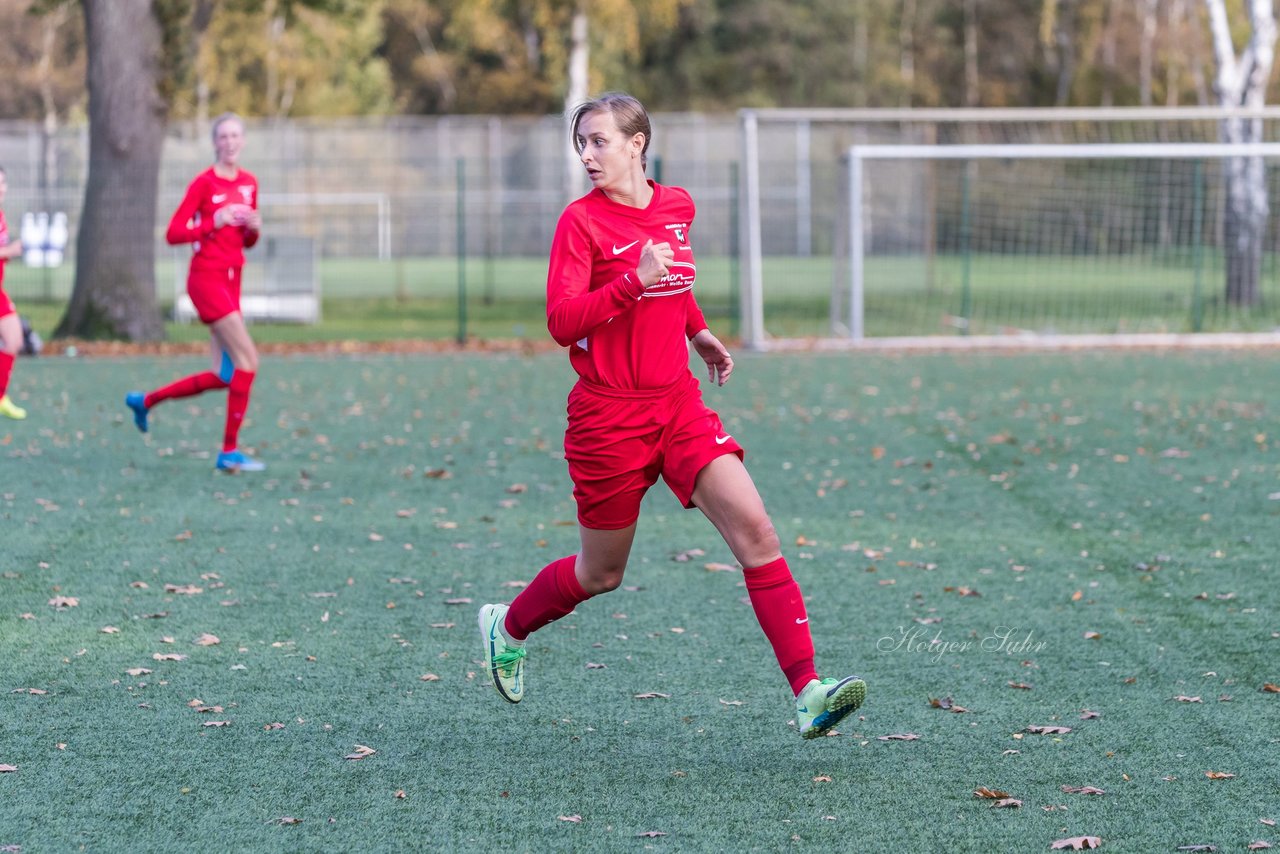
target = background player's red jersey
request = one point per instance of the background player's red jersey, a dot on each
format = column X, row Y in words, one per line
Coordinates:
column 619, row 334
column 193, row 221
column 4, row 241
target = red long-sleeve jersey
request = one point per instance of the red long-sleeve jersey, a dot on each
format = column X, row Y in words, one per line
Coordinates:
column 192, row 222
column 620, row 335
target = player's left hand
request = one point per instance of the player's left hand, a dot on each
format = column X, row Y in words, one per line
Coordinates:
column 719, row 362
column 251, row 219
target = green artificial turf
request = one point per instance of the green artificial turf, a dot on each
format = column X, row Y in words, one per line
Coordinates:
column 1101, row 528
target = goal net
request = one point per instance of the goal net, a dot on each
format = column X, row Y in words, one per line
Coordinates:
column 1045, row 225
column 1049, row 239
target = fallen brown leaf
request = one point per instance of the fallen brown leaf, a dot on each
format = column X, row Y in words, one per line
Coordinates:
column 1021, row 686
column 1076, row 843
column 1219, row 775
column 137, row 671
column 576, row 819
column 216, row 723
column 1083, row 790
column 8, row 769
column 651, row 834
column 899, row 736
column 1006, row 802
column 1049, row 730
column 61, row 602
column 822, row 778
column 984, row 792
column 1270, row 688
column 1086, row 715
column 183, row 589
column 168, row 656
column 652, row 695
column 1183, row 698
column 288, row 819
column 360, row 752
column 109, row 630
column 1258, row 845
column 207, row 639
column 429, row 677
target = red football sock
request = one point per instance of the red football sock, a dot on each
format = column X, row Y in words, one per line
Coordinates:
column 237, row 403
column 554, row 592
column 6, row 371
column 779, row 607
column 185, row 387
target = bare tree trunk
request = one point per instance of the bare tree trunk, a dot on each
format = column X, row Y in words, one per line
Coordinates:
column 53, row 20
column 861, row 56
column 907, row 51
column 1241, row 83
column 115, row 289
column 1056, row 25
column 1176, row 13
column 1109, row 54
column 972, row 91
column 576, row 94
column 1147, row 51
column 200, row 19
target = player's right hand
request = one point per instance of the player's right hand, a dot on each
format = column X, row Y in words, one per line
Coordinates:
column 655, row 259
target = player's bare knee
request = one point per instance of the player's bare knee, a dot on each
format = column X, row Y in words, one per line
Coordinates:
column 756, row 543
column 602, row 581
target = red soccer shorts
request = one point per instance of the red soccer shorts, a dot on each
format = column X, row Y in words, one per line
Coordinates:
column 618, row 443
column 214, row 292
column 6, row 305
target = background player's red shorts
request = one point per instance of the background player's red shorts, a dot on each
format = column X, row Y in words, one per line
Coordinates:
column 6, row 305
column 214, row 292
column 619, row 442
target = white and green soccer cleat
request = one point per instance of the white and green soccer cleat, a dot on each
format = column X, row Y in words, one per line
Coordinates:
column 503, row 659
column 824, row 703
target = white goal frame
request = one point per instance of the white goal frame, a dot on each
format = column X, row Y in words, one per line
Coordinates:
column 380, row 201
column 750, row 253
column 858, row 155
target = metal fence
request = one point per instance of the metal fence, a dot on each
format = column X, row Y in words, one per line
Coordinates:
column 490, row 186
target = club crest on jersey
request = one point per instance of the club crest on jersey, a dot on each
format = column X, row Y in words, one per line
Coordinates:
column 680, row 230
column 246, row 193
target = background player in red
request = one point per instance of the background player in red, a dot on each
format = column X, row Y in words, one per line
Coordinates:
column 219, row 215
column 620, row 297
column 10, row 323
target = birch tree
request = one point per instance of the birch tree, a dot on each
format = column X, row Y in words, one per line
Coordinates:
column 1241, row 84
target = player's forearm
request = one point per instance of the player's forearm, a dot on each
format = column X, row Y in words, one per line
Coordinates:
column 574, row 318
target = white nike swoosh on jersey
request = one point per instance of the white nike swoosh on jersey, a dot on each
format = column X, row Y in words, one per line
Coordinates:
column 618, row 250
column 720, row 440
column 219, row 198
column 800, row 621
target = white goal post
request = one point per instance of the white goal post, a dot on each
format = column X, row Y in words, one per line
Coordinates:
column 859, row 156
column 791, row 176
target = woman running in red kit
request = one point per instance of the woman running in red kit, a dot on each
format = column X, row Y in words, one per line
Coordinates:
column 620, row 297
column 219, row 215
